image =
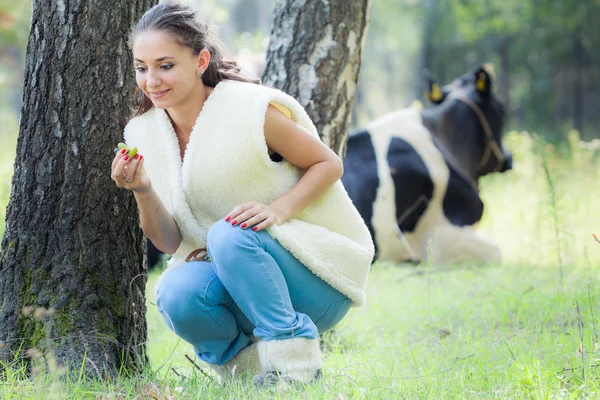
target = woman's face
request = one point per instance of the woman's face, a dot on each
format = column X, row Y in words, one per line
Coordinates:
column 166, row 72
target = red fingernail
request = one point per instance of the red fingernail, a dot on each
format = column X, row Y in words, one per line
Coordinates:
column 136, row 156
column 123, row 151
column 141, row 158
column 254, row 228
column 227, row 218
column 244, row 225
column 126, row 158
column 233, row 222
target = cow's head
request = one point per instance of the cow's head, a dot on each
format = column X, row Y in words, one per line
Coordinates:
column 436, row 94
column 468, row 119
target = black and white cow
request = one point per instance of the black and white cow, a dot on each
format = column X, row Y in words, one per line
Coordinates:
column 413, row 174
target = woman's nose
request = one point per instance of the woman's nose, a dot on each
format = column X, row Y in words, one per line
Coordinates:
column 153, row 79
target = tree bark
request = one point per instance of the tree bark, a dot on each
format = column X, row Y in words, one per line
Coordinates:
column 314, row 55
column 72, row 242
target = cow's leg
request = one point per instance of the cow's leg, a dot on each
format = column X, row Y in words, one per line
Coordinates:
column 454, row 244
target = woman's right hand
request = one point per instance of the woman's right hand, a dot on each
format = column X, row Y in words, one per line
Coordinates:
column 129, row 173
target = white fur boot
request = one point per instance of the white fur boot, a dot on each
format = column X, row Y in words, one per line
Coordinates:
column 246, row 361
column 296, row 360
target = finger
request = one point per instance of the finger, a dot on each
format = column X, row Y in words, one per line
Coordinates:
column 247, row 215
column 127, row 161
column 117, row 166
column 254, row 220
column 120, row 154
column 140, row 168
column 141, row 181
column 264, row 225
column 130, row 174
column 118, row 171
column 233, row 214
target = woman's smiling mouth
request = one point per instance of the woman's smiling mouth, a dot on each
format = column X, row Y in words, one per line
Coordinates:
column 158, row 95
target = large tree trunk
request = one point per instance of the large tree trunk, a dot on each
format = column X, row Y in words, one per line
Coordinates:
column 314, row 55
column 72, row 241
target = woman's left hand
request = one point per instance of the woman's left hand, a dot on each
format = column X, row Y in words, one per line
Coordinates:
column 254, row 215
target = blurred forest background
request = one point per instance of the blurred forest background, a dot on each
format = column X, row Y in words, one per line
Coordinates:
column 545, row 54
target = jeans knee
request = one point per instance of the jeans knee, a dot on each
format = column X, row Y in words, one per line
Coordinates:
column 185, row 291
column 224, row 241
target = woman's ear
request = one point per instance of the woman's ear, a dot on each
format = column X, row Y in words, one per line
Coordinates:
column 203, row 61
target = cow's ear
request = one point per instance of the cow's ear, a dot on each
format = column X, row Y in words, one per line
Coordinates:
column 435, row 93
column 483, row 81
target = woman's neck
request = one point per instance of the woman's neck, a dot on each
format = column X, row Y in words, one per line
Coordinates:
column 184, row 116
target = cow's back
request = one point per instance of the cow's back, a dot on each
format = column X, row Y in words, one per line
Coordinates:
column 393, row 172
column 413, row 179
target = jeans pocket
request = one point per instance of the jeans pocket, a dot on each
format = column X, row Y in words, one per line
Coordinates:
column 334, row 314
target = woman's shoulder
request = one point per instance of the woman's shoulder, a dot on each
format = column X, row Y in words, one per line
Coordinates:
column 239, row 87
column 258, row 95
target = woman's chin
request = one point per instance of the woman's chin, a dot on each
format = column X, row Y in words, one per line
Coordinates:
column 163, row 105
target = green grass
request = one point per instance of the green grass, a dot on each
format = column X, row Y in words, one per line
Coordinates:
column 513, row 330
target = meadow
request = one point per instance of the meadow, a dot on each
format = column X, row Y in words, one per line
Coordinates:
column 525, row 328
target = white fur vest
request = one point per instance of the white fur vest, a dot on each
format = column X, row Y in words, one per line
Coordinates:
column 226, row 163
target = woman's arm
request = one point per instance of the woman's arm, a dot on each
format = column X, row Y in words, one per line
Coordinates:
column 295, row 144
column 298, row 146
column 157, row 223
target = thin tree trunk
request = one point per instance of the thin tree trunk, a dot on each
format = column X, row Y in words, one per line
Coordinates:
column 429, row 19
column 578, row 92
column 504, row 78
column 314, row 55
column 72, row 241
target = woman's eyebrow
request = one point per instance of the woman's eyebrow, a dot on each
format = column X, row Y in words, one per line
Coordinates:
column 157, row 60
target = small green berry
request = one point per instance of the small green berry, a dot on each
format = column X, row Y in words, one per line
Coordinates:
column 133, row 152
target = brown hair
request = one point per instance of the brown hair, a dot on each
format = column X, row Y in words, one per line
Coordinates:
column 180, row 21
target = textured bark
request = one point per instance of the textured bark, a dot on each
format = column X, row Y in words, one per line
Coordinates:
column 72, row 241
column 314, row 55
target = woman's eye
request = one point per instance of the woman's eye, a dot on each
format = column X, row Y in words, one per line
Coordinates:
column 166, row 66
column 140, row 69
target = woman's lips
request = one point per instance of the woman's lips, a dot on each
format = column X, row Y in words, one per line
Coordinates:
column 158, row 95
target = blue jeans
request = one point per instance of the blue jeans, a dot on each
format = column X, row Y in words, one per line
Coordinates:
column 251, row 285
